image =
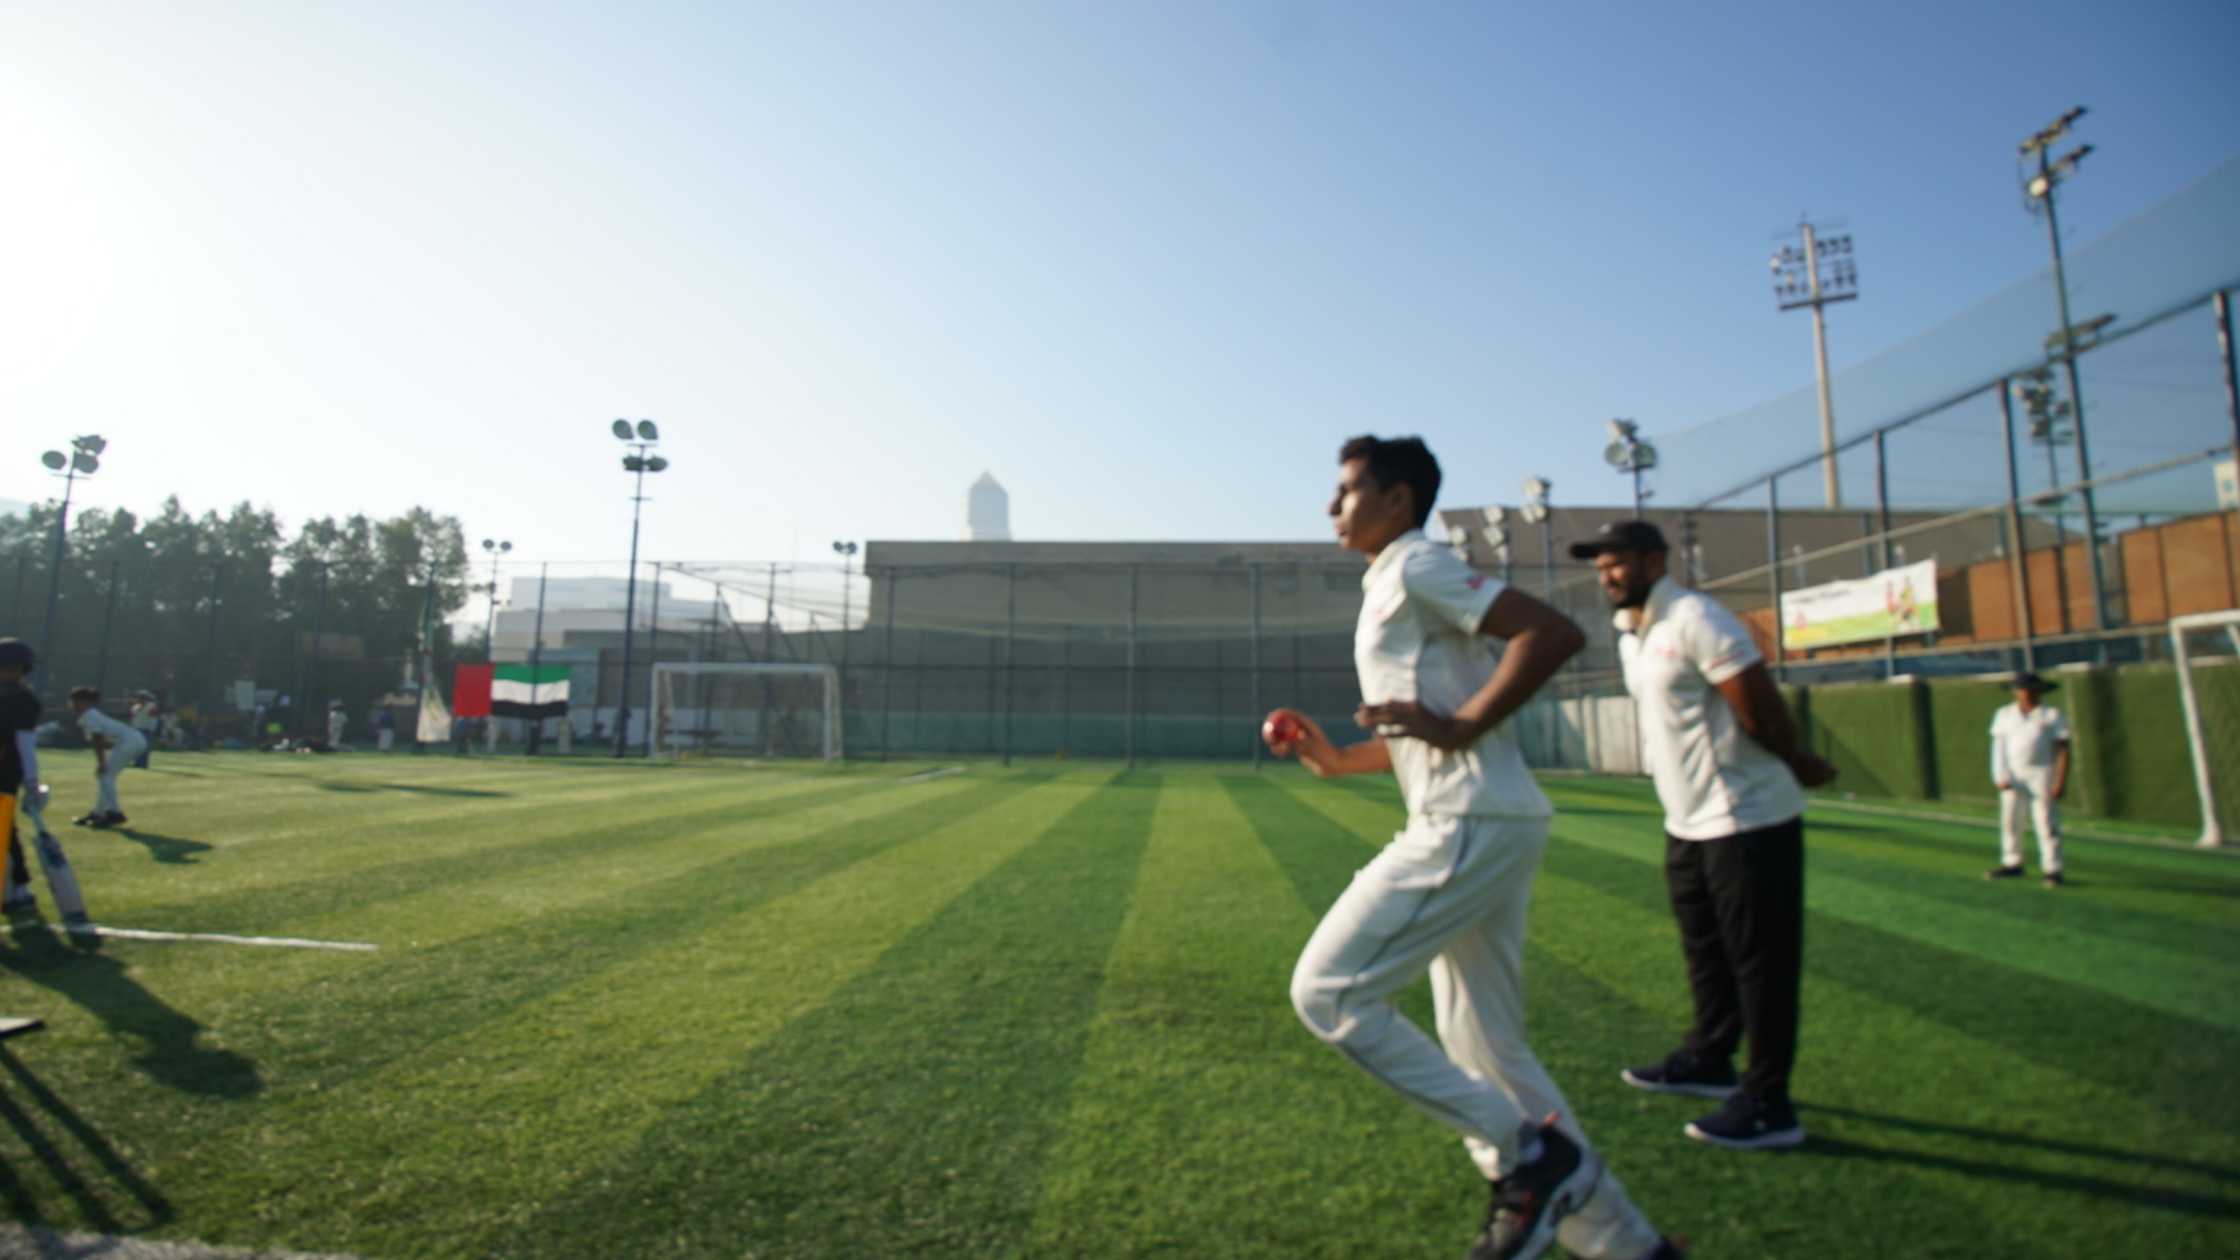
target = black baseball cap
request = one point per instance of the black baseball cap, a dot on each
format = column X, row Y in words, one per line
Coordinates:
column 1620, row 536
column 2029, row 681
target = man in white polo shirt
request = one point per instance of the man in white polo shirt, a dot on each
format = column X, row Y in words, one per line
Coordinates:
column 1727, row 765
column 1448, row 894
column 2030, row 767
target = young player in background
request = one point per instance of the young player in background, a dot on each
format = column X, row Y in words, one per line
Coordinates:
column 1448, row 895
column 115, row 746
column 2030, row 767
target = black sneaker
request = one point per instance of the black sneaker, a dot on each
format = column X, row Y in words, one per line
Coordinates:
column 1669, row 1249
column 1748, row 1123
column 2003, row 872
column 2053, row 879
column 1684, row 1073
column 85, row 820
column 1533, row 1199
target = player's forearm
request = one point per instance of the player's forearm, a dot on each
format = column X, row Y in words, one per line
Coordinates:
column 1367, row 757
column 27, row 755
column 1530, row 660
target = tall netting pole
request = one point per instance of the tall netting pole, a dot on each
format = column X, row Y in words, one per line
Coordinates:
column 1257, row 708
column 2222, row 302
column 1131, row 715
column 1010, row 628
column 1882, row 512
column 536, row 662
column 1773, row 568
column 2018, row 554
column 886, row 698
column 653, row 657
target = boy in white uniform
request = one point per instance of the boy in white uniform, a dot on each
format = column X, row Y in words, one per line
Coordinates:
column 2030, row 767
column 115, row 746
column 1449, row 894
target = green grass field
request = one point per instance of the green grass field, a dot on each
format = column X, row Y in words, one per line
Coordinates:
column 621, row 1010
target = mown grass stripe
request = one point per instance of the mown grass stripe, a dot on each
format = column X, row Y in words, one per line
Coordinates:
column 272, row 904
column 945, row 1067
column 2078, row 950
column 2174, row 1061
column 510, row 965
column 502, row 1118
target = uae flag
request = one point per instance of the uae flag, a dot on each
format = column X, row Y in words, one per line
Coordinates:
column 529, row 691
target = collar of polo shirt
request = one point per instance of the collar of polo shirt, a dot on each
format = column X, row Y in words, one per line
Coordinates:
column 1389, row 556
column 1638, row 620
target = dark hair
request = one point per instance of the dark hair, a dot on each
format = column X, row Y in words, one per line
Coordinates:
column 91, row 695
column 16, row 652
column 1398, row 462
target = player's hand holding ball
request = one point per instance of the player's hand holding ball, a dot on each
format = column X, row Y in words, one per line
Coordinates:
column 1288, row 732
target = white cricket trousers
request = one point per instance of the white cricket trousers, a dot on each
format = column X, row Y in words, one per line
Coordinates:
column 1449, row 895
column 117, row 761
column 2045, row 817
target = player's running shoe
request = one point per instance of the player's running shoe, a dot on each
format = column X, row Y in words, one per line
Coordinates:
column 108, row 820
column 1749, row 1123
column 86, row 820
column 20, row 903
column 1684, row 1073
column 2004, row 872
column 1533, row 1199
column 1669, row 1249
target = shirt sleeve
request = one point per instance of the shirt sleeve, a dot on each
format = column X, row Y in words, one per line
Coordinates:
column 1451, row 592
column 2059, row 727
column 1717, row 643
column 1998, row 763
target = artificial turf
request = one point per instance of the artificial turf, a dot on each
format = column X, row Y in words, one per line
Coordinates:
column 624, row 1010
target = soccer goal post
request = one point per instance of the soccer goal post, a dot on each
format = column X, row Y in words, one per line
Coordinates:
column 745, row 709
column 2206, row 647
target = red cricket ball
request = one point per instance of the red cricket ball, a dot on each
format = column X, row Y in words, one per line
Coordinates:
column 1281, row 728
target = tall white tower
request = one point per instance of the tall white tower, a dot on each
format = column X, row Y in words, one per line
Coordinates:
column 987, row 512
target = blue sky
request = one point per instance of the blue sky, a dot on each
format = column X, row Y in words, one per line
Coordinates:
column 1148, row 263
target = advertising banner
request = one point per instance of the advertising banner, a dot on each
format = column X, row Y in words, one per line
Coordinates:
column 1891, row 604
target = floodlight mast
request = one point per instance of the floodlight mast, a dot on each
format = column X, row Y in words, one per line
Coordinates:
column 83, row 460
column 1799, row 281
column 2037, row 192
column 1629, row 454
column 495, row 549
column 641, row 439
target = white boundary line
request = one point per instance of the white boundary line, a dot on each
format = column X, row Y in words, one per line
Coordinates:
column 220, row 938
column 928, row 776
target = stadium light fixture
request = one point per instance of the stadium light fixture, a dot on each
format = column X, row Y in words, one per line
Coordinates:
column 2042, row 176
column 83, row 460
column 1629, row 454
column 1535, row 510
column 494, row 549
column 1816, row 272
column 638, row 463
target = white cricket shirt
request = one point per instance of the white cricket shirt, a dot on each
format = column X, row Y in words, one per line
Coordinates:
column 94, row 722
column 1418, row 640
column 2023, row 744
column 1714, row 780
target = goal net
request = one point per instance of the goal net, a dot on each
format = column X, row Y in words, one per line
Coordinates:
column 742, row 709
column 2206, row 648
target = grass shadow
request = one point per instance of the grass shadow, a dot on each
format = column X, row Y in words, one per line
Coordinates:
column 93, row 1206
column 2028, row 1141
column 171, row 849
column 2098, row 1189
column 171, row 1048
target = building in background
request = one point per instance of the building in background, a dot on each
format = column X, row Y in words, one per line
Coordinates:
column 987, row 511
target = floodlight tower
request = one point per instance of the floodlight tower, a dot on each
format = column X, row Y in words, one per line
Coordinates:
column 83, row 460
column 2042, row 174
column 1535, row 511
column 1629, row 454
column 641, row 439
column 1800, row 280
column 494, row 549
column 847, row 553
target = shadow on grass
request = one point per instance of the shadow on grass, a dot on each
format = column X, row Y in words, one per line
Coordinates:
column 22, row 1205
column 416, row 789
column 2098, row 1188
column 170, row 849
column 2032, row 1142
column 171, row 1043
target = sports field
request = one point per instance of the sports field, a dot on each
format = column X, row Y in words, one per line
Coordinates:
column 620, row 1010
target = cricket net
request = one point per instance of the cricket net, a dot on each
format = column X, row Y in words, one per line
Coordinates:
column 2206, row 649
column 745, row 709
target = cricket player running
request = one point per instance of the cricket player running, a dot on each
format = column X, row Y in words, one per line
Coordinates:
column 19, row 782
column 1449, row 893
column 115, row 746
